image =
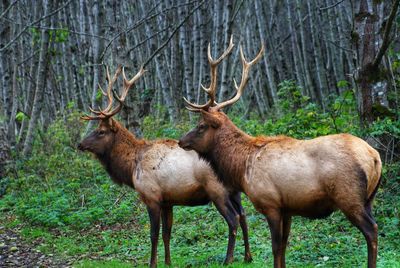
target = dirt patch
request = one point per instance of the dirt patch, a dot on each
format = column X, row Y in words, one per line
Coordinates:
column 15, row 252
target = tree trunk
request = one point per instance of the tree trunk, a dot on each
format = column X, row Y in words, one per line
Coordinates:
column 41, row 79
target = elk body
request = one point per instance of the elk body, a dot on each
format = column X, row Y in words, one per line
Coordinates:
column 162, row 173
column 284, row 177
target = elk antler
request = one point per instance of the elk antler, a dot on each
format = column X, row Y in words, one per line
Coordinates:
column 108, row 111
column 212, row 89
column 243, row 82
column 213, row 84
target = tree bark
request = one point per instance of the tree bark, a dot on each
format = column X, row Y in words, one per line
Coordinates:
column 370, row 54
column 40, row 80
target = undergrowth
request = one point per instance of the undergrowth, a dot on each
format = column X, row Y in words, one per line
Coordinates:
column 64, row 201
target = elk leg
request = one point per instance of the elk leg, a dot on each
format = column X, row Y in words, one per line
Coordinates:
column 237, row 203
column 154, row 214
column 275, row 222
column 227, row 211
column 367, row 225
column 287, row 220
column 166, row 217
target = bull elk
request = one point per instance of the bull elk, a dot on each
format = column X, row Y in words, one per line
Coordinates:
column 283, row 176
column 161, row 172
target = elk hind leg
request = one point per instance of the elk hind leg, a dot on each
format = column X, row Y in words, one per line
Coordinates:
column 166, row 217
column 364, row 221
column 225, row 207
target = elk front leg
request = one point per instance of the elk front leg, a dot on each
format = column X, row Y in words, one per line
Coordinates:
column 166, row 217
column 237, row 203
column 275, row 222
column 227, row 211
column 154, row 214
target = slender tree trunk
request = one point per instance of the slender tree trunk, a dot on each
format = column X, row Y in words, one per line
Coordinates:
column 304, row 59
column 295, row 48
column 270, row 77
column 317, row 55
column 95, row 19
column 40, row 81
column 225, row 90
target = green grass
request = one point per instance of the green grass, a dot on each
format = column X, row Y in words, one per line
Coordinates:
column 199, row 239
column 64, row 203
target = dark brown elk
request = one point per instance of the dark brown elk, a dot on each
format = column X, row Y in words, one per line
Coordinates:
column 283, row 176
column 161, row 172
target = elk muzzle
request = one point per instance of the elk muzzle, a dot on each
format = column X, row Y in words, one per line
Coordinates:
column 185, row 143
column 81, row 147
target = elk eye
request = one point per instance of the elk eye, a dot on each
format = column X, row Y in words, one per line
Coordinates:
column 202, row 127
column 101, row 132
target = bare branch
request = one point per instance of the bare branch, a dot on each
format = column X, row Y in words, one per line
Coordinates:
column 7, row 9
column 331, row 6
column 386, row 36
column 33, row 23
column 173, row 33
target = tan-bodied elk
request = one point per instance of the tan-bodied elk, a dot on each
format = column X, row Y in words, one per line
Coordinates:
column 283, row 176
column 161, row 172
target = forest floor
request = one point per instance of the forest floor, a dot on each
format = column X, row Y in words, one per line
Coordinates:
column 16, row 252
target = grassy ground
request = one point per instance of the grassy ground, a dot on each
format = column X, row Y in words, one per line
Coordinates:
column 63, row 203
column 104, row 225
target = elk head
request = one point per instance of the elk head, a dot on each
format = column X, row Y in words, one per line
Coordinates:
column 201, row 138
column 102, row 138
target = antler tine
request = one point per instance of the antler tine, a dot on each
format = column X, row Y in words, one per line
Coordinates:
column 88, row 117
column 127, row 85
column 226, row 53
column 104, row 114
column 197, row 107
column 244, row 80
column 109, row 88
column 101, row 89
column 211, row 90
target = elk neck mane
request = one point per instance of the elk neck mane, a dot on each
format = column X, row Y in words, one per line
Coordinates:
column 121, row 158
column 230, row 152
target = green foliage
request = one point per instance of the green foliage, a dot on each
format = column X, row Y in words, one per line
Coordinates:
column 154, row 128
column 35, row 35
column 385, row 126
column 290, row 97
column 65, row 204
column 57, row 35
column 20, row 116
column 304, row 119
column 60, row 187
column 343, row 84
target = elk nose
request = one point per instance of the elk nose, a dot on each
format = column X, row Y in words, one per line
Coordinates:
column 180, row 143
column 183, row 145
column 80, row 147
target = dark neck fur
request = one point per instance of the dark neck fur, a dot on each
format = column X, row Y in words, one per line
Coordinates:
column 229, row 154
column 120, row 160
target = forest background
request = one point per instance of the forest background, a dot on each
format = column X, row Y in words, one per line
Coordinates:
column 330, row 66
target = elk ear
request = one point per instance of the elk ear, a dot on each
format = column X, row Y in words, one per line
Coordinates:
column 211, row 119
